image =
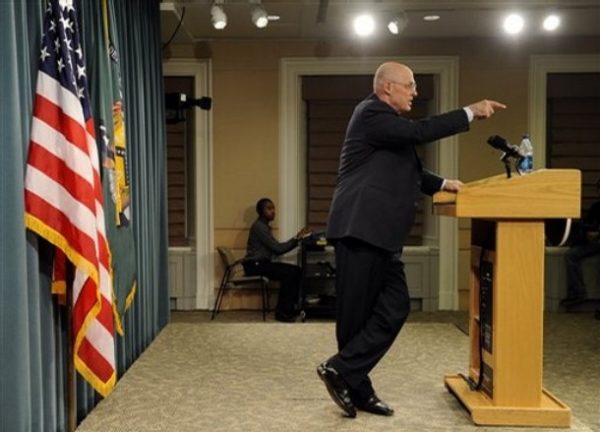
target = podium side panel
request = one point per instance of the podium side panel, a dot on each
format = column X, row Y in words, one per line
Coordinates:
column 518, row 313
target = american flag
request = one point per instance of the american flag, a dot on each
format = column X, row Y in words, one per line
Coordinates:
column 63, row 191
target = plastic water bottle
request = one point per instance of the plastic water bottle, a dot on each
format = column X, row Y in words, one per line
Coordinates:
column 526, row 150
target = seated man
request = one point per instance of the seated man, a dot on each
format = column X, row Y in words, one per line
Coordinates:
column 586, row 244
column 260, row 249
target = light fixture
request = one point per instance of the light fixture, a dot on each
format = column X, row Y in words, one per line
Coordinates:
column 219, row 19
column 551, row 22
column 513, row 24
column 364, row 25
column 431, row 17
column 398, row 23
column 259, row 15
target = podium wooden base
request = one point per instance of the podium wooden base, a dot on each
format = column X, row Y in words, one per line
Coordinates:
column 551, row 412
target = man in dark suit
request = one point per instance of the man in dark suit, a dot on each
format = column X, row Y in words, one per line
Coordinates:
column 379, row 179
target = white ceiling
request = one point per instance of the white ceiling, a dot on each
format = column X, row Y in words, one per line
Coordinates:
column 331, row 19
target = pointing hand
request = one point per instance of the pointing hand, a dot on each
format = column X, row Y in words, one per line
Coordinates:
column 485, row 108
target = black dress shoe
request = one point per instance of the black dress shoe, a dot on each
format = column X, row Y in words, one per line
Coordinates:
column 573, row 299
column 284, row 317
column 337, row 388
column 375, row 405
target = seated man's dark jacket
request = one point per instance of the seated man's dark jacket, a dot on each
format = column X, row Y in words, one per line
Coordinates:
column 262, row 245
column 380, row 175
column 590, row 223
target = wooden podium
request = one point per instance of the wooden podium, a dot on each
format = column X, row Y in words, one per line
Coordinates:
column 507, row 290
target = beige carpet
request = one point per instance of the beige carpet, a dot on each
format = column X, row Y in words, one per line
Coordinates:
column 254, row 376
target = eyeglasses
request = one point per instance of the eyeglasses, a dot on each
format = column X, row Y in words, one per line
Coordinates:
column 412, row 86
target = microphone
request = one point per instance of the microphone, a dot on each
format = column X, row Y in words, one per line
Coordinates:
column 500, row 143
column 509, row 150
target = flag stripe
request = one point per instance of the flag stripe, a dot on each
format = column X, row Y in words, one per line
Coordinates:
column 84, row 304
column 58, row 197
column 102, row 368
column 105, row 317
column 94, row 157
column 63, row 136
column 102, row 242
column 97, row 332
column 82, row 282
column 57, row 169
column 51, row 89
column 85, row 296
column 84, row 292
column 56, row 220
column 93, row 150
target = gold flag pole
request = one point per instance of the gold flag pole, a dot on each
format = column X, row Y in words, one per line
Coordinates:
column 71, row 391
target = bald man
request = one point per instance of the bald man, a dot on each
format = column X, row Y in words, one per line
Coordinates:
column 379, row 181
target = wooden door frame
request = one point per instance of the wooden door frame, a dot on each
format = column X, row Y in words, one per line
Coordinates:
column 200, row 70
column 539, row 68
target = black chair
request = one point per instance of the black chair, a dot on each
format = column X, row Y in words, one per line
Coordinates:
column 234, row 278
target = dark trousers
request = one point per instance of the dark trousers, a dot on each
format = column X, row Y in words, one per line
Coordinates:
column 289, row 277
column 372, row 306
column 576, row 286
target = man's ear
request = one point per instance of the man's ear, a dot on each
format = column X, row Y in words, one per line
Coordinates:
column 387, row 88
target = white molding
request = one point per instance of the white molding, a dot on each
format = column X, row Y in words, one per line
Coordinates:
column 201, row 71
column 539, row 68
column 291, row 157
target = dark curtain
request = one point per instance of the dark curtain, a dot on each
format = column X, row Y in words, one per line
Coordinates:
column 32, row 325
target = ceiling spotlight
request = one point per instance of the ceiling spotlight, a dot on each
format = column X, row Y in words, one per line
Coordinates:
column 364, row 25
column 398, row 23
column 551, row 22
column 219, row 19
column 259, row 15
column 513, row 24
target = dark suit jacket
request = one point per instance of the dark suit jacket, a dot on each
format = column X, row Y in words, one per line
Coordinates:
column 380, row 175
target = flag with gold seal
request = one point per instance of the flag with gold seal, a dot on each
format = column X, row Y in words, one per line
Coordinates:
column 109, row 108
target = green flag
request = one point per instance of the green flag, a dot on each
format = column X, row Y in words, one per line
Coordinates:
column 115, row 178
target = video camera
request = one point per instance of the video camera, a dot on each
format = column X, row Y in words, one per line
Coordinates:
column 176, row 105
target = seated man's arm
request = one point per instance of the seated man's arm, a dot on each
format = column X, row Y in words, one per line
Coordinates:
column 266, row 238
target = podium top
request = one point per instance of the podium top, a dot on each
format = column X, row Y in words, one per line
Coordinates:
column 542, row 194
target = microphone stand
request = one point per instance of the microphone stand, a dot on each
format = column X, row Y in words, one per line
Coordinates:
column 506, row 160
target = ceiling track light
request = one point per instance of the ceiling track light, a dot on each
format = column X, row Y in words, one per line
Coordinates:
column 364, row 25
column 259, row 15
column 398, row 23
column 551, row 22
column 513, row 24
column 218, row 16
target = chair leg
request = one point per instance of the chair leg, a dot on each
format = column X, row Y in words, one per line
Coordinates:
column 214, row 311
column 216, row 306
column 221, row 298
column 267, row 295
column 263, row 289
column 220, row 294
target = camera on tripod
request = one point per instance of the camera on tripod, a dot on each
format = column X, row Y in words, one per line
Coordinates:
column 177, row 105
